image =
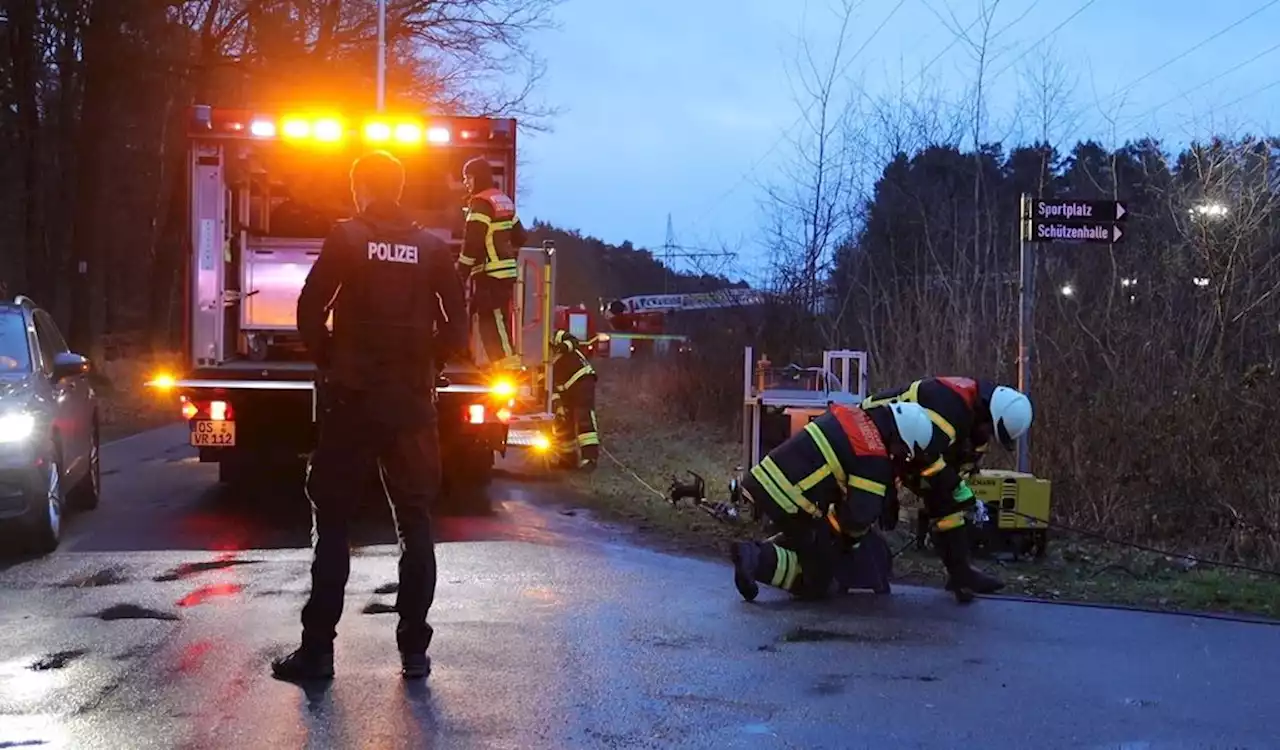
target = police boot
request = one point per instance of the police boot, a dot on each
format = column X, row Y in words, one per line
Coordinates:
column 746, row 559
column 962, row 579
column 304, row 665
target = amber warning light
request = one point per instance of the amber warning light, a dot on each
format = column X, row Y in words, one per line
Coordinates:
column 324, row 128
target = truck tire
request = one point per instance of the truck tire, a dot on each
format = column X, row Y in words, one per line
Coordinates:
column 464, row 486
column 233, row 472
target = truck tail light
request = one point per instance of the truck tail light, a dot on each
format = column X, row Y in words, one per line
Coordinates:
column 219, row 411
column 189, row 410
column 504, row 415
column 475, row 414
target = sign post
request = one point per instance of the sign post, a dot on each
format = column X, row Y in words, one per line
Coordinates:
column 1053, row 220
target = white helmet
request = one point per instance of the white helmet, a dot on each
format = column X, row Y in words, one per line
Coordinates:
column 914, row 426
column 1010, row 413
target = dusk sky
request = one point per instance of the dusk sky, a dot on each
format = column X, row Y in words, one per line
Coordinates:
column 669, row 103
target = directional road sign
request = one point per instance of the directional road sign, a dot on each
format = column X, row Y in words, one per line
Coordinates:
column 1096, row 233
column 1073, row 211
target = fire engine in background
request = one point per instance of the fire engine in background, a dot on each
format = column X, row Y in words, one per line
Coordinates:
column 265, row 190
column 640, row 322
column 582, row 324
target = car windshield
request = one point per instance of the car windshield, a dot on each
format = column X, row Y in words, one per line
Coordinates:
column 15, row 355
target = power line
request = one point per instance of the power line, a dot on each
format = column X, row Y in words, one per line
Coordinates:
column 1042, row 39
column 1252, row 94
column 768, row 152
column 1201, row 85
column 1188, row 51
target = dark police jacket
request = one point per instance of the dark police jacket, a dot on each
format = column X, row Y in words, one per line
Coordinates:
column 398, row 313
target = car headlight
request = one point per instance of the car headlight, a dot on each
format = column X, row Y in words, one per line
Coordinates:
column 15, row 428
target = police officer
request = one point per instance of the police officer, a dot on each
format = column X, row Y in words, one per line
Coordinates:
column 823, row 488
column 574, row 384
column 967, row 414
column 490, row 243
column 386, row 281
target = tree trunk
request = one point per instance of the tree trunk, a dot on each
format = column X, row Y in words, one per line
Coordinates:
column 26, row 269
column 88, row 254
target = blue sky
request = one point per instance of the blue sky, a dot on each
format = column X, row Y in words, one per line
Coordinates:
column 669, row 104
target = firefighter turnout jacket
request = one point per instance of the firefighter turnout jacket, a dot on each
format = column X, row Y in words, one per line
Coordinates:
column 493, row 236
column 823, row 488
column 836, row 470
column 387, row 283
column 959, row 442
column 574, row 384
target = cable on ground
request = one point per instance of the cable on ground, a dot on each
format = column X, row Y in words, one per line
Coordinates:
column 634, row 475
column 1147, row 548
column 1199, row 560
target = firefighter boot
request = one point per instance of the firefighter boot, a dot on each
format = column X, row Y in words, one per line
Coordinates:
column 962, row 579
column 746, row 558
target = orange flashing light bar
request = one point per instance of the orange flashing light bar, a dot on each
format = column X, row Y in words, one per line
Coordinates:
column 330, row 129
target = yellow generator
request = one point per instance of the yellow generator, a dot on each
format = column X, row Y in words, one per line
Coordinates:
column 1017, row 508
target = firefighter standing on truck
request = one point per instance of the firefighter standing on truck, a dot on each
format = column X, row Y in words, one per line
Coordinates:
column 823, row 488
column 386, row 282
column 490, row 244
column 574, row 382
column 966, row 413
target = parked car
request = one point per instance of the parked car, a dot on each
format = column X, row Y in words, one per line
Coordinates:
column 48, row 428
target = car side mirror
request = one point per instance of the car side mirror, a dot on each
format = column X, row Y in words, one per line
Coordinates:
column 69, row 364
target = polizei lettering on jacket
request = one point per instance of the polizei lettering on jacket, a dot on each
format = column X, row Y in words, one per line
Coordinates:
column 393, row 253
column 1046, row 210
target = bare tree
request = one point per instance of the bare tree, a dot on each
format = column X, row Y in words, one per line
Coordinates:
column 811, row 207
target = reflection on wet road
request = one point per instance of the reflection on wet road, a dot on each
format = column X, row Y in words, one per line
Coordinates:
column 153, row 627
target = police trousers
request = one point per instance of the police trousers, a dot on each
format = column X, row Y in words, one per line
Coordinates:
column 491, row 306
column 352, row 445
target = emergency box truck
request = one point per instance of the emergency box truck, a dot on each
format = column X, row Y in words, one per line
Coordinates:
column 264, row 191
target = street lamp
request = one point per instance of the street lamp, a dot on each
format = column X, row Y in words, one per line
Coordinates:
column 1213, row 210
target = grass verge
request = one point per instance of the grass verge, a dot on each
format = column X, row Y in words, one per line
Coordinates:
column 125, row 406
column 650, row 449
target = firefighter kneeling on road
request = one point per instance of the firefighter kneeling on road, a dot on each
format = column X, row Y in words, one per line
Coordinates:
column 966, row 415
column 823, row 488
column 574, row 383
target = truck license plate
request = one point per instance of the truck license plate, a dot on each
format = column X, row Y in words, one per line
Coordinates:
column 208, row 433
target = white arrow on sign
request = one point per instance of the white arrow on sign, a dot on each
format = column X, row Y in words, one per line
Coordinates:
column 1120, row 210
column 1116, row 234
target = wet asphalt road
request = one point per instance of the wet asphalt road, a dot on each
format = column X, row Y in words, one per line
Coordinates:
column 153, row 625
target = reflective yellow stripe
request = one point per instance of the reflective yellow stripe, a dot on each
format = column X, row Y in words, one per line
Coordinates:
column 787, row 570
column 589, row 438
column 507, row 273
column 501, row 320
column 949, row 522
column 479, row 218
column 942, row 424
column 500, row 226
column 779, row 567
column 867, row 485
column 466, row 260
column 784, row 484
column 579, row 375
column 829, row 455
column 934, row 468
column 777, row 495
column 813, row 479
column 909, row 395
